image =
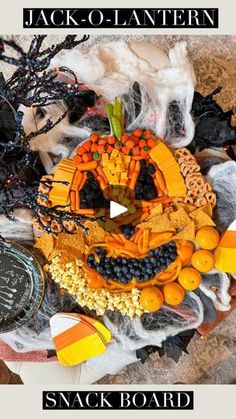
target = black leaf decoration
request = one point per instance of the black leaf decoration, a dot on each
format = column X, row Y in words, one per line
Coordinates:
column 172, row 347
column 212, row 125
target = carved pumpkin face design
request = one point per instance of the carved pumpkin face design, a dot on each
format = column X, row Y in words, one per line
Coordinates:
column 167, row 198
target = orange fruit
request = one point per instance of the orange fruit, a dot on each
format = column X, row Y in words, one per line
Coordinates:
column 189, row 278
column 94, row 279
column 207, row 238
column 151, row 298
column 173, row 293
column 185, row 251
column 203, row 260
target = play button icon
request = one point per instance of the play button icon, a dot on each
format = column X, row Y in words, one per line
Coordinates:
column 116, row 209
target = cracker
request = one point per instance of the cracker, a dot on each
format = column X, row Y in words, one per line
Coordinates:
column 179, row 218
column 188, row 233
column 201, row 219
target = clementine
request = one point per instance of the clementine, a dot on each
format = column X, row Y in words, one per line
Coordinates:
column 151, row 298
column 203, row 260
column 189, row 278
column 173, row 293
column 207, row 238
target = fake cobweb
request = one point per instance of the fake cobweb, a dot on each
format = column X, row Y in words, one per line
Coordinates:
column 161, row 98
column 130, row 335
column 154, row 328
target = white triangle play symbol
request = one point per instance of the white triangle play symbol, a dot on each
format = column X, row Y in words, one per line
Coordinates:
column 116, row 209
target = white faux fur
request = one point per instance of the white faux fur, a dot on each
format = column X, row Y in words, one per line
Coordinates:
column 21, row 229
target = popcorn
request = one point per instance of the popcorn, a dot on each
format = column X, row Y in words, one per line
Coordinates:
column 72, row 277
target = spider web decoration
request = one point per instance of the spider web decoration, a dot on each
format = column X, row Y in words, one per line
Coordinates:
column 31, row 84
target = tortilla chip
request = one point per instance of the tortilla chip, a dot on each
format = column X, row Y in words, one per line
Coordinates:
column 207, row 209
column 179, row 218
column 188, row 233
column 156, row 210
column 95, row 234
column 201, row 219
column 187, row 207
column 150, row 223
column 162, row 224
column 46, row 244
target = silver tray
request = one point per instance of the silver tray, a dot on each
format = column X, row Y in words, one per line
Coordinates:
column 22, row 285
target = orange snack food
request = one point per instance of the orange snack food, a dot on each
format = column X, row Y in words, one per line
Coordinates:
column 112, row 139
column 173, row 293
column 148, row 134
column 87, row 157
column 102, row 141
column 94, row 137
column 185, row 251
column 94, row 147
column 101, row 149
column 142, row 143
column 81, row 150
column 77, row 159
column 151, row 299
column 129, row 144
column 87, row 145
column 203, row 260
column 73, row 200
column 207, row 238
column 189, row 278
column 94, row 279
column 133, row 180
column 150, row 142
column 136, row 150
column 137, row 132
column 87, row 166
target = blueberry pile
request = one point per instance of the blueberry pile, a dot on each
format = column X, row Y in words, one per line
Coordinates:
column 124, row 270
column 145, row 186
column 91, row 195
column 128, row 230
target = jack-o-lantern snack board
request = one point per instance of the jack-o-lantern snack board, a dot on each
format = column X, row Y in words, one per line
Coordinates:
column 136, row 261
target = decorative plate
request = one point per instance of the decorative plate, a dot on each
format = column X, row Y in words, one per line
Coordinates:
column 21, row 285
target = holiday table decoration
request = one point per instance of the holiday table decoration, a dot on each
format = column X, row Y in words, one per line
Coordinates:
column 149, row 274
